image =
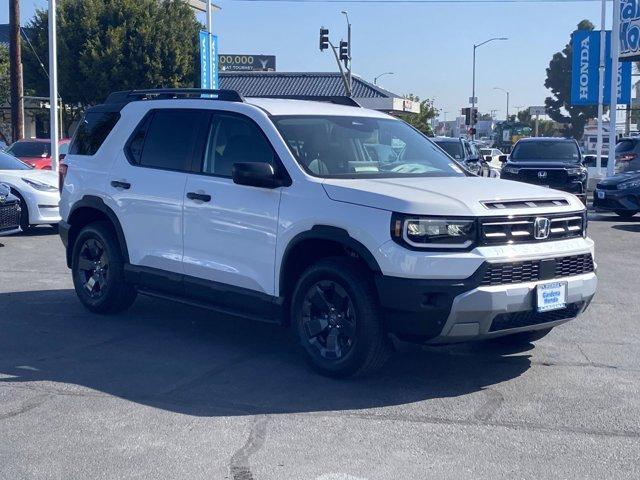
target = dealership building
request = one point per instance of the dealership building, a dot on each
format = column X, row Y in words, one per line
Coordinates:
column 314, row 86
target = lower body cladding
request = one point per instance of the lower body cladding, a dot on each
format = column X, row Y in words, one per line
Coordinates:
column 498, row 299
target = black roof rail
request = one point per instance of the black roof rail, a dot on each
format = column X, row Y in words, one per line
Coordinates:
column 336, row 99
column 169, row 93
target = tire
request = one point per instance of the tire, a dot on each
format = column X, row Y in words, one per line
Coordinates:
column 24, row 214
column 625, row 213
column 349, row 340
column 97, row 267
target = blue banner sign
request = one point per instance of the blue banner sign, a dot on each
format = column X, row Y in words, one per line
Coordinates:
column 208, row 60
column 629, row 30
column 584, row 70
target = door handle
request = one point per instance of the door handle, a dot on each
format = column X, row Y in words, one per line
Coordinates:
column 119, row 184
column 203, row 197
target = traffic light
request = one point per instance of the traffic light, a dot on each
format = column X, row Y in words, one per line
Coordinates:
column 467, row 115
column 475, row 116
column 324, row 38
column 344, row 50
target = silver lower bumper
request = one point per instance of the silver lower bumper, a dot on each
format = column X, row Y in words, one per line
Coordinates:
column 473, row 312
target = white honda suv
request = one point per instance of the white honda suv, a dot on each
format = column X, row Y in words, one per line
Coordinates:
column 345, row 223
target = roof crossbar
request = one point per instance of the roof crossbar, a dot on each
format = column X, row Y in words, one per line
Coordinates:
column 171, row 93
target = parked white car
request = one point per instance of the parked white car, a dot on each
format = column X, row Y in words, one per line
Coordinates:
column 36, row 189
column 492, row 157
column 281, row 210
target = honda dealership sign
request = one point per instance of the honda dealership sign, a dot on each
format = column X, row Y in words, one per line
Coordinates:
column 584, row 70
column 629, row 30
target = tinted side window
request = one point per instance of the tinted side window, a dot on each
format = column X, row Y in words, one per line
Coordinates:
column 168, row 139
column 92, row 132
column 233, row 139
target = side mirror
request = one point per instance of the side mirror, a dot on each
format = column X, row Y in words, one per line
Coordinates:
column 255, row 174
column 589, row 160
column 487, row 158
column 503, row 158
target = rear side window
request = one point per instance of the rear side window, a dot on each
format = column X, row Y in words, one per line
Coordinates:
column 92, row 132
column 166, row 139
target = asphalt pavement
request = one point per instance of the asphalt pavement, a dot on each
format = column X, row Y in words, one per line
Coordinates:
column 166, row 391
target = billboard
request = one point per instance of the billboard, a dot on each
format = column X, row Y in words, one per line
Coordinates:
column 208, row 60
column 629, row 30
column 247, row 63
column 585, row 62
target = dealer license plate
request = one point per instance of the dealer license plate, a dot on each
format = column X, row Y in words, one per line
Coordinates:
column 551, row 296
column 600, row 194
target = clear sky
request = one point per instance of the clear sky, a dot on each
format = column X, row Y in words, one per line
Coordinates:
column 427, row 46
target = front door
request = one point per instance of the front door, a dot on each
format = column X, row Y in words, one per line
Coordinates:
column 229, row 229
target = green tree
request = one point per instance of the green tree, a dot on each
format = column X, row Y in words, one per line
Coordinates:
column 110, row 45
column 546, row 128
column 4, row 75
column 421, row 120
column 559, row 107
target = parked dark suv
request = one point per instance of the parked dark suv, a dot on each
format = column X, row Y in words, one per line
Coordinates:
column 551, row 162
column 627, row 155
column 464, row 152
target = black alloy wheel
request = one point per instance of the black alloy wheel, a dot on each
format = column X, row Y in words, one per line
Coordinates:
column 93, row 267
column 329, row 319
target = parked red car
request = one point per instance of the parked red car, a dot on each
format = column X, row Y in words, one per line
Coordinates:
column 37, row 151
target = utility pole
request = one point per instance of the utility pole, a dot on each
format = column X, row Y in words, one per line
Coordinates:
column 348, row 66
column 53, row 87
column 15, row 63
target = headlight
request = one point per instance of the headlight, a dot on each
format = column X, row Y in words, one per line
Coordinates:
column 629, row 184
column 512, row 170
column 578, row 172
column 433, row 232
column 43, row 187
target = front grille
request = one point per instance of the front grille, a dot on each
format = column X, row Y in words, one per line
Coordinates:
column 534, row 270
column 521, row 229
column 9, row 216
column 527, row 318
column 552, row 176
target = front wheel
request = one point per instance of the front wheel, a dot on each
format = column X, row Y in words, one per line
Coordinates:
column 625, row 213
column 98, row 270
column 335, row 314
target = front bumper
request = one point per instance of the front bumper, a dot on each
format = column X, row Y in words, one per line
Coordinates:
column 626, row 200
column 497, row 299
column 495, row 311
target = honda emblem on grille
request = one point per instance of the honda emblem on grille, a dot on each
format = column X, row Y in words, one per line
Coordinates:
column 542, row 174
column 541, row 228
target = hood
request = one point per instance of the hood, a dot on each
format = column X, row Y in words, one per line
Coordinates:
column 621, row 177
column 45, row 176
column 456, row 196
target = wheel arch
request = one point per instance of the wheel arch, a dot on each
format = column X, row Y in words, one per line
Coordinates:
column 331, row 240
column 90, row 209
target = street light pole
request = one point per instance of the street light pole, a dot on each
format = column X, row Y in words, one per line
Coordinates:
column 375, row 80
column 473, row 82
column 505, row 91
column 53, row 86
column 346, row 14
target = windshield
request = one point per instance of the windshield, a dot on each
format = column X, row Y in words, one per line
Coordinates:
column 363, row 147
column 625, row 146
column 30, row 149
column 546, row 150
column 9, row 162
column 454, row 149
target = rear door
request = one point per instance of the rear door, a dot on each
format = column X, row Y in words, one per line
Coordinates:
column 148, row 185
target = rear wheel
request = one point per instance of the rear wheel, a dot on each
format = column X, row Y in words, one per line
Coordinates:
column 625, row 213
column 336, row 317
column 98, row 270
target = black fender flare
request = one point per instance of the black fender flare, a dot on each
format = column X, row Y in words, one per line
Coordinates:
column 97, row 203
column 334, row 234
